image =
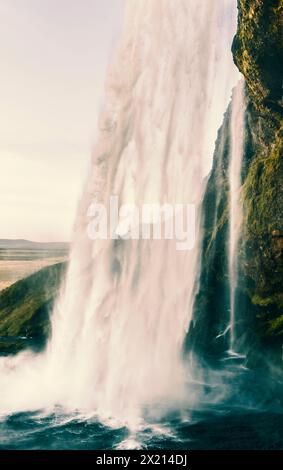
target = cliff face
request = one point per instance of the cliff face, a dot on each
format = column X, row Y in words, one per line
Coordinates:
column 257, row 51
column 25, row 308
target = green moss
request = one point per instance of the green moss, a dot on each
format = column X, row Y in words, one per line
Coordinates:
column 221, row 222
column 263, row 201
column 275, row 327
column 275, row 299
column 257, row 50
column 25, row 306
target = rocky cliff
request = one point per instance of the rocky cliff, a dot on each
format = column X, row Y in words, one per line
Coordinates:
column 257, row 51
column 25, row 307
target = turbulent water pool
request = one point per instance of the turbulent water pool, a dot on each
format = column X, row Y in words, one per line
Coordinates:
column 213, row 428
column 245, row 416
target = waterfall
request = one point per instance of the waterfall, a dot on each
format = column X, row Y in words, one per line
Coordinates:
column 151, row 148
column 123, row 312
column 235, row 216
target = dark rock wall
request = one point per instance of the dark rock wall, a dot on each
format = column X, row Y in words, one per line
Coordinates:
column 257, row 51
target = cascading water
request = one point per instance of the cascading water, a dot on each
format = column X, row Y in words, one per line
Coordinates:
column 235, row 215
column 119, row 325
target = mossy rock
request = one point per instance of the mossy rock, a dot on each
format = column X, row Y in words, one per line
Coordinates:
column 257, row 50
column 25, row 307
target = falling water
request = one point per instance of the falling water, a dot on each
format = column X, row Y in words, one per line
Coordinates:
column 235, row 219
column 119, row 325
column 135, row 296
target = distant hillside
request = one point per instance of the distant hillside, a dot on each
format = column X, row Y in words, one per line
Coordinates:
column 25, row 307
column 19, row 244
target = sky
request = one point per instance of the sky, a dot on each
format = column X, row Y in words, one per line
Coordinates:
column 53, row 59
column 54, row 55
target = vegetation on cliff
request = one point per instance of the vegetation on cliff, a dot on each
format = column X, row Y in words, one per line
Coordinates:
column 25, row 308
column 257, row 51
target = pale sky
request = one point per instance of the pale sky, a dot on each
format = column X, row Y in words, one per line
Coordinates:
column 53, row 59
column 54, row 54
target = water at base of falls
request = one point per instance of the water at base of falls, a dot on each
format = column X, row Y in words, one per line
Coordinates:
column 240, row 420
column 203, row 430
